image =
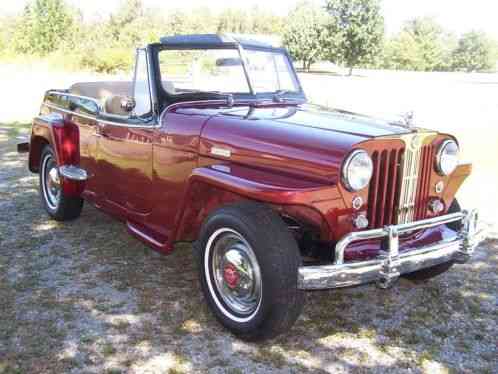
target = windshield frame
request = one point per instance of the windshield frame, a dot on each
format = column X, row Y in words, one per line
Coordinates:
column 297, row 95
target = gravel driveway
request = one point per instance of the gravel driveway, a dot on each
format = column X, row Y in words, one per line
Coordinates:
column 85, row 297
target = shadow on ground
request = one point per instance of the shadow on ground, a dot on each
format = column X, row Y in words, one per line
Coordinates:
column 85, row 297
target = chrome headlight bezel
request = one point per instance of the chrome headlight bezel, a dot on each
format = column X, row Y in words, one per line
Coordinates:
column 446, row 163
column 348, row 178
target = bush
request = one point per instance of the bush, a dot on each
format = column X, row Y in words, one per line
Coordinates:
column 108, row 60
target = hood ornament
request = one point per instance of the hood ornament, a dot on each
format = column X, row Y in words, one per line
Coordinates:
column 407, row 120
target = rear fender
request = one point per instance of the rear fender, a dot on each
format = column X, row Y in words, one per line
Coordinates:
column 63, row 136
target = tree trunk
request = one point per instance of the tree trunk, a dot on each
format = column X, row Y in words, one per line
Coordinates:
column 308, row 66
column 304, row 65
column 350, row 71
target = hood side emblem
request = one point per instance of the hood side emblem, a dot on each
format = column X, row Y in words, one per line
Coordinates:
column 223, row 152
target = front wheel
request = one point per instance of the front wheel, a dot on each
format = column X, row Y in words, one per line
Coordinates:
column 249, row 263
column 57, row 205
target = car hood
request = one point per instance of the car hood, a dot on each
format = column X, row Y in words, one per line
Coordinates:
column 301, row 140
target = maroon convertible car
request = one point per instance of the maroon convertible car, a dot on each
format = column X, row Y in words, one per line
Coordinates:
column 212, row 142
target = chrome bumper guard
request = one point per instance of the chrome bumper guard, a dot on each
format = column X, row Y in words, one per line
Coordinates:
column 390, row 264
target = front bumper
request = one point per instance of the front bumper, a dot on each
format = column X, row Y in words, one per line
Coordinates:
column 391, row 263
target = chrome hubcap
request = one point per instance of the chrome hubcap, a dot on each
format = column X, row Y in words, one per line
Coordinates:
column 236, row 273
column 51, row 182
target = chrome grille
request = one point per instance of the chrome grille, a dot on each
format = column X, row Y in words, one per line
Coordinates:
column 400, row 182
column 409, row 182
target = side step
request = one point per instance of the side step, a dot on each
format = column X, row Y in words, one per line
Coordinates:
column 73, row 172
column 164, row 247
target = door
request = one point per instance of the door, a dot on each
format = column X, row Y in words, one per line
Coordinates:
column 125, row 151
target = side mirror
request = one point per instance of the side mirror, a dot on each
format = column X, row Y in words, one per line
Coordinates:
column 119, row 105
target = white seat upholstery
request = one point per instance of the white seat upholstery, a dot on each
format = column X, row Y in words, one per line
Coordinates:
column 101, row 90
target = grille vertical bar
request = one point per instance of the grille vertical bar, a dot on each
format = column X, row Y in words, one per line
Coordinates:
column 384, row 189
column 423, row 190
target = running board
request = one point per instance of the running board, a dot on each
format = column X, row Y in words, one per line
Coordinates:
column 165, row 247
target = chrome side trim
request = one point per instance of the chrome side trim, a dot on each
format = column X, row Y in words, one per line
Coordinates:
column 54, row 92
column 100, row 121
column 387, row 267
column 55, row 107
column 187, row 103
column 73, row 172
column 228, row 102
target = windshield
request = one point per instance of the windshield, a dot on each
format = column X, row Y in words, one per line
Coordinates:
column 221, row 70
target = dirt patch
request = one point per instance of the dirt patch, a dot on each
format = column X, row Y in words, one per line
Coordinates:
column 84, row 297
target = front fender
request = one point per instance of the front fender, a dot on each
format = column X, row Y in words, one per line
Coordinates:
column 212, row 186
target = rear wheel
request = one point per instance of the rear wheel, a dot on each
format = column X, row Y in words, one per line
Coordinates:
column 248, row 263
column 429, row 273
column 57, row 205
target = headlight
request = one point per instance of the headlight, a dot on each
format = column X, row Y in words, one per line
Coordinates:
column 357, row 170
column 447, row 157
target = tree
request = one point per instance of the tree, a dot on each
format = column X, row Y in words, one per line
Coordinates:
column 421, row 45
column 430, row 39
column 43, row 25
column 402, row 52
column 357, row 31
column 305, row 33
column 474, row 52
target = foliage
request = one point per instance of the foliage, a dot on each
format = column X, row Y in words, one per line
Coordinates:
column 357, row 27
column 474, row 52
column 305, row 34
column 348, row 32
column 427, row 35
column 108, row 60
column 422, row 45
column 42, row 26
column 255, row 21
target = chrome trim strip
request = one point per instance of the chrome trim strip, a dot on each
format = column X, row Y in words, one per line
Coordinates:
column 186, row 103
column 391, row 263
column 55, row 107
column 51, row 118
column 99, row 120
column 96, row 101
column 228, row 102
